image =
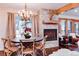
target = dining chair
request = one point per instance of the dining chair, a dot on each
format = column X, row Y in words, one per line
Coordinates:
column 25, row 50
column 8, row 48
column 40, row 46
column 6, row 51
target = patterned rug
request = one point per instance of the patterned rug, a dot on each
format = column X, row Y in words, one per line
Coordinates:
column 38, row 52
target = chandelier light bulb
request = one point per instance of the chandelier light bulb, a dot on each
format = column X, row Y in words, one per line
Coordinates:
column 25, row 14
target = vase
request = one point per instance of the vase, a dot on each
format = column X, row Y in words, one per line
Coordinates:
column 27, row 36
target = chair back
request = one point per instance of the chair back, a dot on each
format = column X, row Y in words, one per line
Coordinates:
column 6, row 44
column 44, row 52
column 21, row 43
column 26, row 46
column 21, row 46
column 44, row 40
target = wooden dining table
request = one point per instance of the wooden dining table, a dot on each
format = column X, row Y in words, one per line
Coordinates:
column 28, row 43
column 36, row 39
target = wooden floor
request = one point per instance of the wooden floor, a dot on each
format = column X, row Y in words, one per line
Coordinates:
column 2, row 53
column 51, row 50
column 48, row 51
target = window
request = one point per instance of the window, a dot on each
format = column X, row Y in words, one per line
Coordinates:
column 63, row 27
column 22, row 26
column 77, row 27
column 69, row 26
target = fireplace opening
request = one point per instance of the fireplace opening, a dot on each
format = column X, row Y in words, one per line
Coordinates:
column 51, row 33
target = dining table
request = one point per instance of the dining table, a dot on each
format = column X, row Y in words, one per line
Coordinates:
column 28, row 43
column 32, row 39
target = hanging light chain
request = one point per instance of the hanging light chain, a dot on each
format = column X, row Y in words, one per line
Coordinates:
column 25, row 7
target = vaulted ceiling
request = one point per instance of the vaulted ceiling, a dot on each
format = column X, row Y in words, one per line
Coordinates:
column 33, row 5
column 70, row 9
column 72, row 12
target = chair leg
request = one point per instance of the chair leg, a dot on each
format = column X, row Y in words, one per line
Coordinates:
column 28, row 54
column 44, row 52
column 8, row 54
column 5, row 54
column 19, row 52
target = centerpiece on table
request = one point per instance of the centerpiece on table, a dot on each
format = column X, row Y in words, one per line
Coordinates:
column 27, row 33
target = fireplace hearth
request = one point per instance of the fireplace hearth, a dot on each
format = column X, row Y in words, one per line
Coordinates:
column 51, row 33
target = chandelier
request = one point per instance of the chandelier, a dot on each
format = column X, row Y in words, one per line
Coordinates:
column 25, row 14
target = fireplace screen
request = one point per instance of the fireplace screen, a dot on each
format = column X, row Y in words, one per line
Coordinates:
column 51, row 33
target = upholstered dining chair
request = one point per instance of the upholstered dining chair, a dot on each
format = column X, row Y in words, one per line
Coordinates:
column 8, row 48
column 40, row 47
column 25, row 50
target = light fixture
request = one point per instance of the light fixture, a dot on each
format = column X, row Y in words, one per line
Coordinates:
column 25, row 14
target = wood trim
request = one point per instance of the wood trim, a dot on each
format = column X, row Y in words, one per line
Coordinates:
column 62, row 9
column 67, row 7
column 51, row 22
column 66, row 28
column 75, row 20
column 73, row 27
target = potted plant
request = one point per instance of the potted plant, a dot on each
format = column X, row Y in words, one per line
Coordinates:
column 27, row 34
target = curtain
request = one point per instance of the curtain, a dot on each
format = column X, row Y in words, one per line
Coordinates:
column 11, row 26
column 35, row 25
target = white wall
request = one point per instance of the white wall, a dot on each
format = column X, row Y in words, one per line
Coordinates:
column 45, row 17
column 3, row 24
column 3, row 21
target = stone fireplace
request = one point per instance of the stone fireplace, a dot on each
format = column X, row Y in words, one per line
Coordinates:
column 51, row 33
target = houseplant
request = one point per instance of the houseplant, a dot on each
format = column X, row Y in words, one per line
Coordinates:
column 27, row 34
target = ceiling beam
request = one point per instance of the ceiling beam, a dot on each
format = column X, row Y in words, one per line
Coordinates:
column 67, row 7
column 62, row 9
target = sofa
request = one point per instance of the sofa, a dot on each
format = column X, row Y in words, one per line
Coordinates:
column 68, row 41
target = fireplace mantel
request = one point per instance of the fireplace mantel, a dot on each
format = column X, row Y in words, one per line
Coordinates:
column 51, row 22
